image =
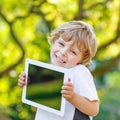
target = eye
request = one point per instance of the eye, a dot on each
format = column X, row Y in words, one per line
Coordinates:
column 61, row 44
column 73, row 52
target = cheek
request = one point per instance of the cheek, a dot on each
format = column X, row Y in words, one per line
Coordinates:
column 72, row 62
column 76, row 61
column 53, row 50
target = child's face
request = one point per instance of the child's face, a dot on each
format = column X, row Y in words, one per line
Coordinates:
column 65, row 54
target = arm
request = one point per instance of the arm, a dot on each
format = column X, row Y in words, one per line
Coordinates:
column 86, row 106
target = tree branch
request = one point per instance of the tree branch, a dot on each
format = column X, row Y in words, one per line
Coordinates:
column 115, row 38
column 80, row 9
column 97, row 4
column 5, row 71
column 108, row 66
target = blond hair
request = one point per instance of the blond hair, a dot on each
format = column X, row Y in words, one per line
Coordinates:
column 80, row 32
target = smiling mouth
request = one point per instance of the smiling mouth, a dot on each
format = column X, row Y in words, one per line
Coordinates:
column 59, row 60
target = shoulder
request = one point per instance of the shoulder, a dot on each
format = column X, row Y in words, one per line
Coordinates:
column 83, row 82
column 81, row 74
column 83, row 70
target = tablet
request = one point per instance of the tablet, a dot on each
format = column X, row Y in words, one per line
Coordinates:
column 43, row 86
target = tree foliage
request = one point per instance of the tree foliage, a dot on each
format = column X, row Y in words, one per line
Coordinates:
column 24, row 28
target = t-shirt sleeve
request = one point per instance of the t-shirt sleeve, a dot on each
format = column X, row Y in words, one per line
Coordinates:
column 83, row 83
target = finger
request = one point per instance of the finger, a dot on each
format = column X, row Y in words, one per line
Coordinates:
column 20, row 85
column 69, row 85
column 21, row 81
column 69, row 88
column 67, row 95
column 66, row 92
column 22, row 76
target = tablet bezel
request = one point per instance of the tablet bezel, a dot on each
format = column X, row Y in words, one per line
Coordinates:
column 50, row 67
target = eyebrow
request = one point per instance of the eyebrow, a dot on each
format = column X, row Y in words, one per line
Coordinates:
column 70, row 42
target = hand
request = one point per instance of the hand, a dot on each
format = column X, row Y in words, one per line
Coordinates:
column 68, row 90
column 22, row 78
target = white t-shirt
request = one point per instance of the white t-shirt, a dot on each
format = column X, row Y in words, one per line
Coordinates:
column 83, row 85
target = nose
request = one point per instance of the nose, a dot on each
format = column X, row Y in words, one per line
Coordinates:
column 64, row 51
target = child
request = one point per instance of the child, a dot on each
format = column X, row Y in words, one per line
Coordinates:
column 73, row 45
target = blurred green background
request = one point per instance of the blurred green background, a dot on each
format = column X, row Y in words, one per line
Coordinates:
column 24, row 28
